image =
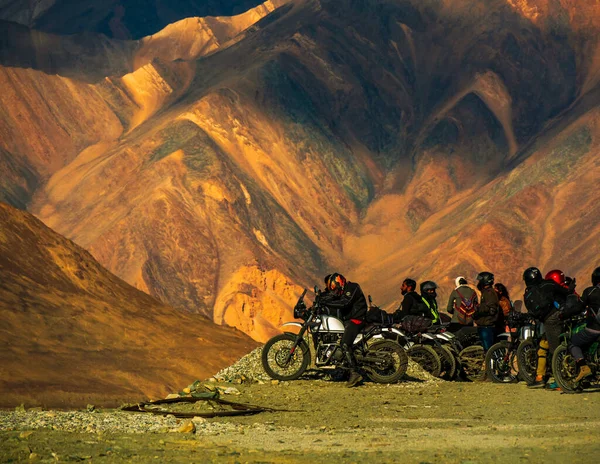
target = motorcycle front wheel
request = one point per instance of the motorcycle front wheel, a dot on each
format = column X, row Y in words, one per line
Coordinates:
column 472, row 361
column 427, row 358
column 393, row 364
column 564, row 369
column 278, row 363
column 448, row 362
column 527, row 359
column 501, row 363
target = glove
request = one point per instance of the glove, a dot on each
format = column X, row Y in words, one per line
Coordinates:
column 572, row 285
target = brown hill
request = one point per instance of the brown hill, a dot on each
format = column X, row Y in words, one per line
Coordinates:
column 379, row 138
column 72, row 333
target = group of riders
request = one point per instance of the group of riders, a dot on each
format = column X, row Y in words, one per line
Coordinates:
column 550, row 300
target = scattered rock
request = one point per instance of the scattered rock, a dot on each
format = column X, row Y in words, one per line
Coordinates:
column 275, row 382
column 229, row 390
column 25, row 434
column 90, row 408
column 171, row 396
column 187, row 390
column 20, row 408
column 186, row 427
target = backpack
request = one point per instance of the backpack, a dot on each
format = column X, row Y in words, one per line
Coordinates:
column 538, row 302
column 376, row 315
column 415, row 324
column 466, row 309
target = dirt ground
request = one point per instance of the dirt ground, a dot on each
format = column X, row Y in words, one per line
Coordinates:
column 409, row 422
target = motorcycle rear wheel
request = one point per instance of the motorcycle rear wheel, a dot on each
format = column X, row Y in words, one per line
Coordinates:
column 427, row 358
column 394, row 363
column 274, row 356
column 501, row 363
column 472, row 361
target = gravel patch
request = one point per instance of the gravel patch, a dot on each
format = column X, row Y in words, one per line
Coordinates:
column 103, row 422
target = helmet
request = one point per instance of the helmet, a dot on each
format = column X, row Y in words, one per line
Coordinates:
column 485, row 279
column 336, row 283
column 428, row 286
column 532, row 275
column 460, row 280
column 596, row 276
column 557, row 276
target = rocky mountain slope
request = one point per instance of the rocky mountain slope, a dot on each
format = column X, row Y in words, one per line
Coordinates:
column 244, row 158
column 74, row 333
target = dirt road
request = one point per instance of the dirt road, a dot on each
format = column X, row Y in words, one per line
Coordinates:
column 408, row 422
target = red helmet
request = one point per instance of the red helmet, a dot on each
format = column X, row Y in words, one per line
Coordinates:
column 557, row 276
column 336, row 283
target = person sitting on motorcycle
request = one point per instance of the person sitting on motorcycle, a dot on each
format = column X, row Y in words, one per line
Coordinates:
column 429, row 294
column 412, row 304
column 543, row 298
column 487, row 313
column 348, row 299
column 591, row 333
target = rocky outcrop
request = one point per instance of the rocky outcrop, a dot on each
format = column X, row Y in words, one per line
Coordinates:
column 73, row 332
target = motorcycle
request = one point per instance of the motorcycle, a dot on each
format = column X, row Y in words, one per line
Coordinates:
column 564, row 367
column 501, row 359
column 288, row 355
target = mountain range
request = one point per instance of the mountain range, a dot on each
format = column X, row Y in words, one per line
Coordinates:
column 223, row 163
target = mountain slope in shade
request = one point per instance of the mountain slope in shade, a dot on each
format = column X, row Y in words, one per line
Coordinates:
column 378, row 138
column 72, row 333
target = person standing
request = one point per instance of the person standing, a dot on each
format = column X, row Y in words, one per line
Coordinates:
column 462, row 303
column 486, row 314
column 505, row 308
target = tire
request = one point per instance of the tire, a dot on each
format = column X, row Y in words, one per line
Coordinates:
column 564, row 369
column 501, row 363
column 472, row 361
column 527, row 361
column 275, row 351
column 427, row 358
column 448, row 362
column 386, row 373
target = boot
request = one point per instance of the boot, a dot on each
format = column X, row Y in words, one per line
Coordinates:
column 354, row 380
column 355, row 377
column 584, row 372
column 539, row 382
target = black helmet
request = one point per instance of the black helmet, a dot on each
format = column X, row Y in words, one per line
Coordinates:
column 596, row 276
column 428, row 285
column 485, row 279
column 532, row 275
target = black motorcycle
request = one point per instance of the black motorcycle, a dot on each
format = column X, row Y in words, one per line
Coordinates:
column 287, row 356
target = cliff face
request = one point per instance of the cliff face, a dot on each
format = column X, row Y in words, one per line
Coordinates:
column 243, row 158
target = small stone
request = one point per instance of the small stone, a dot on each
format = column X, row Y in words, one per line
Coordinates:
column 211, row 388
column 274, row 382
column 20, row 408
column 90, row 408
column 186, row 427
column 187, row 390
column 26, row 434
column 34, row 457
column 171, row 396
column 212, row 380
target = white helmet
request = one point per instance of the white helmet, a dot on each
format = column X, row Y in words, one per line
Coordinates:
column 458, row 280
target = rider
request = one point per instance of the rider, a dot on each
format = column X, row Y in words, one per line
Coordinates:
column 428, row 294
column 591, row 299
column 462, row 303
column 350, row 302
column 542, row 299
column 487, row 313
column 412, row 304
column 505, row 308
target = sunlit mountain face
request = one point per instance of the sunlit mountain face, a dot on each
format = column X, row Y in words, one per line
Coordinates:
column 223, row 163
